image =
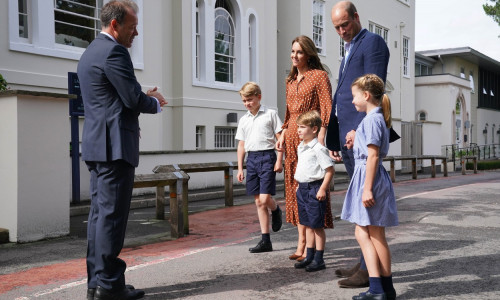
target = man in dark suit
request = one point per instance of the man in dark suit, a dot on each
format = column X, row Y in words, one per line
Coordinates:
column 112, row 100
column 366, row 52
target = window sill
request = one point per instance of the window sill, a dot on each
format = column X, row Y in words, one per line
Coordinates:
column 216, row 85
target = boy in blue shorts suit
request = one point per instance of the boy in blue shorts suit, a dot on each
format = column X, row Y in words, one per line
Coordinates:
column 314, row 173
column 257, row 133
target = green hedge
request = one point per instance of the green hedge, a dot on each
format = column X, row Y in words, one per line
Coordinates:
column 3, row 83
column 484, row 165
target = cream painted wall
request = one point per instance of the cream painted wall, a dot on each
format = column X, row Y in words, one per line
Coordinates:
column 437, row 96
column 8, row 164
column 37, row 187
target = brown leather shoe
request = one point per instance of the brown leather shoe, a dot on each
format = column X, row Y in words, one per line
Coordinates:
column 347, row 272
column 294, row 256
column 358, row 280
column 301, row 258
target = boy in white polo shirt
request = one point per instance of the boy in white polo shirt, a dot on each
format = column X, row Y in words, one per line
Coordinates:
column 314, row 173
column 257, row 133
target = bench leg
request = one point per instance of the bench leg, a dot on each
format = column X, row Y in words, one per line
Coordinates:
column 185, row 207
column 433, row 167
column 175, row 215
column 445, row 167
column 228, row 184
column 393, row 171
column 160, row 202
column 414, row 167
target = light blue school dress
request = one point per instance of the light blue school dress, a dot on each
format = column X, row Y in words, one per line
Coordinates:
column 371, row 131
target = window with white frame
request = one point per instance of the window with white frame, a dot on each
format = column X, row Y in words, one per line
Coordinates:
column 225, row 138
column 60, row 28
column 422, row 116
column 200, row 137
column 377, row 29
column 319, row 25
column 224, row 43
column 406, row 56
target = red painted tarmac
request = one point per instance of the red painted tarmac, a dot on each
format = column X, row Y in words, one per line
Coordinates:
column 207, row 229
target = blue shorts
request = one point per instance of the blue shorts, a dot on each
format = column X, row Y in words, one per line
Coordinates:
column 261, row 178
column 311, row 210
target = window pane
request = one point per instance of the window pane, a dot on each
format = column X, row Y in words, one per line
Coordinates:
column 23, row 18
column 224, row 138
column 77, row 22
column 224, row 46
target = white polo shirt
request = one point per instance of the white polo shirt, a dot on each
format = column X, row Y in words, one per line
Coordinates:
column 259, row 131
column 313, row 160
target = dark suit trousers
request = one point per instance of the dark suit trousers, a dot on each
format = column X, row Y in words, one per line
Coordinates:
column 348, row 159
column 111, row 185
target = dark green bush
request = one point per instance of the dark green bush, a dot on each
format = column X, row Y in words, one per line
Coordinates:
column 484, row 165
column 3, row 83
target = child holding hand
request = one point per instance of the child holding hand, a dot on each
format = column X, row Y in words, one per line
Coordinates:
column 370, row 202
column 313, row 174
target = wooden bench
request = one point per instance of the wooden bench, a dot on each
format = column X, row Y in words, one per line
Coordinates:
column 227, row 167
column 464, row 159
column 413, row 159
column 177, row 182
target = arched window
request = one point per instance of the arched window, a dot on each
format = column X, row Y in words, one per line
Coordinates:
column 422, row 116
column 224, row 42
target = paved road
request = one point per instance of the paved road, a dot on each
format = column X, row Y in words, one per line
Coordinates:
column 446, row 247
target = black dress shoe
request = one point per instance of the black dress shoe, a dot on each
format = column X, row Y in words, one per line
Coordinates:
column 302, row 264
column 390, row 295
column 315, row 266
column 125, row 294
column 262, row 247
column 277, row 219
column 369, row 296
column 91, row 292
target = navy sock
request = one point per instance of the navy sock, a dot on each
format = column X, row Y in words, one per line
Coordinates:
column 387, row 284
column 310, row 253
column 376, row 285
column 362, row 263
column 318, row 256
column 266, row 237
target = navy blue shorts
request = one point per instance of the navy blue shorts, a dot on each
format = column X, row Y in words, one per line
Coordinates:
column 261, row 178
column 311, row 211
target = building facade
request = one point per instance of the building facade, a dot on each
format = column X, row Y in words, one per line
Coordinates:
column 199, row 53
column 459, row 88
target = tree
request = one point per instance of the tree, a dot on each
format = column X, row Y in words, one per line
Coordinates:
column 493, row 10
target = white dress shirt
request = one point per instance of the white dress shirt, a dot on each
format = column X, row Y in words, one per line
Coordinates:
column 259, row 131
column 313, row 160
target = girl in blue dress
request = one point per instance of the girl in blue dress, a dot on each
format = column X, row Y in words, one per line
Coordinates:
column 370, row 202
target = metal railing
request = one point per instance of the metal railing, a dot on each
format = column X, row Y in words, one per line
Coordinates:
column 455, row 153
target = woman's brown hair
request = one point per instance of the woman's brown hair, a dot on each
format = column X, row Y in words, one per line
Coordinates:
column 310, row 50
